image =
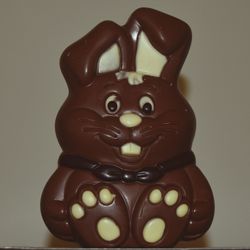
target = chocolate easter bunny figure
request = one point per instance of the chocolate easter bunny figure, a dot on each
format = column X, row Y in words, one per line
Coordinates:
column 127, row 176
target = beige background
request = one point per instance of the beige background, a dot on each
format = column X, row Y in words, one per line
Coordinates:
column 215, row 78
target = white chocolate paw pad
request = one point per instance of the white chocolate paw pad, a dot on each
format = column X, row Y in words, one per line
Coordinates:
column 101, row 210
column 108, row 229
column 153, row 230
column 159, row 211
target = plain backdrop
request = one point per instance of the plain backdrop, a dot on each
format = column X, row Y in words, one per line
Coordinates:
column 215, row 80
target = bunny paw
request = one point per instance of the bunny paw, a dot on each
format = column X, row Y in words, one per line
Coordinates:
column 99, row 212
column 161, row 216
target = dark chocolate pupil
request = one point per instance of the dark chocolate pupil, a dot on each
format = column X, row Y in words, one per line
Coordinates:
column 147, row 108
column 112, row 106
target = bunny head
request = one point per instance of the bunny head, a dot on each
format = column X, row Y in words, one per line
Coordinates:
column 124, row 108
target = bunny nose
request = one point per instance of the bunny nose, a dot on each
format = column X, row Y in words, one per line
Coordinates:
column 130, row 120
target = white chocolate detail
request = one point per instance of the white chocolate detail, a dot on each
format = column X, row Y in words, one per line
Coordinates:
column 130, row 120
column 182, row 210
column 106, row 196
column 107, row 229
column 134, row 78
column 154, row 230
column 89, row 199
column 109, row 60
column 130, row 149
column 148, row 60
column 155, row 196
column 77, row 211
column 171, row 197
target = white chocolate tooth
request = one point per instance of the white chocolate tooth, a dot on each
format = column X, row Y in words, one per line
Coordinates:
column 154, row 230
column 171, row 197
column 155, row 196
column 131, row 149
column 77, row 211
column 106, row 196
column 107, row 229
column 182, row 210
column 89, row 199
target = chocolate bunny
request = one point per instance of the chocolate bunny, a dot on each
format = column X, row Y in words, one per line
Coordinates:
column 127, row 176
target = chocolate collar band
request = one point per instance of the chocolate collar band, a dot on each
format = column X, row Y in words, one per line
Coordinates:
column 112, row 173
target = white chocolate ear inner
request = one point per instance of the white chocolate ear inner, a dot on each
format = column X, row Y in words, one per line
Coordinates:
column 109, row 60
column 148, row 60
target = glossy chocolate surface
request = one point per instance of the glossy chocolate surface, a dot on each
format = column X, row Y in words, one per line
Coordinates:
column 127, row 176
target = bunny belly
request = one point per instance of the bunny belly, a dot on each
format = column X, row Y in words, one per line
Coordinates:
column 128, row 214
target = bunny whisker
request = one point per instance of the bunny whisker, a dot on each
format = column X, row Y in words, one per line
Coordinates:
column 114, row 129
column 85, row 119
column 98, row 130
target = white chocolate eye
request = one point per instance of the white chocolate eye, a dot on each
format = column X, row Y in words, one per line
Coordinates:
column 112, row 104
column 146, row 105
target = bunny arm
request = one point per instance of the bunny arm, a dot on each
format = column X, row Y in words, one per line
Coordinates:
column 202, row 210
column 53, row 208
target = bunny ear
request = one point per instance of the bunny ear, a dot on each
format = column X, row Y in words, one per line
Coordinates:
column 148, row 60
column 110, row 60
column 103, row 49
column 161, row 43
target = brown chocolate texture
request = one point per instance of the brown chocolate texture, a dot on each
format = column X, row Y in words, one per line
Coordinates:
column 120, row 116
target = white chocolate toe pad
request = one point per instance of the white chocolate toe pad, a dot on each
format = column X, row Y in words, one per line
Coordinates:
column 182, row 210
column 155, row 196
column 89, row 199
column 171, row 197
column 106, row 196
column 77, row 211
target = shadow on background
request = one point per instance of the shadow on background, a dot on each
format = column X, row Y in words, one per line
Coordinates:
column 184, row 86
column 55, row 242
column 199, row 243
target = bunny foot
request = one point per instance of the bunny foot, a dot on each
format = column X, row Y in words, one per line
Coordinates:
column 98, row 215
column 161, row 216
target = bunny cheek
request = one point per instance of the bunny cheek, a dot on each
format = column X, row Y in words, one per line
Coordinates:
column 79, row 131
column 170, row 143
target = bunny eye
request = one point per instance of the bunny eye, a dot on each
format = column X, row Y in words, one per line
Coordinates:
column 112, row 104
column 146, row 105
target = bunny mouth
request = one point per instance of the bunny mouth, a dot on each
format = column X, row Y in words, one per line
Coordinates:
column 130, row 152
